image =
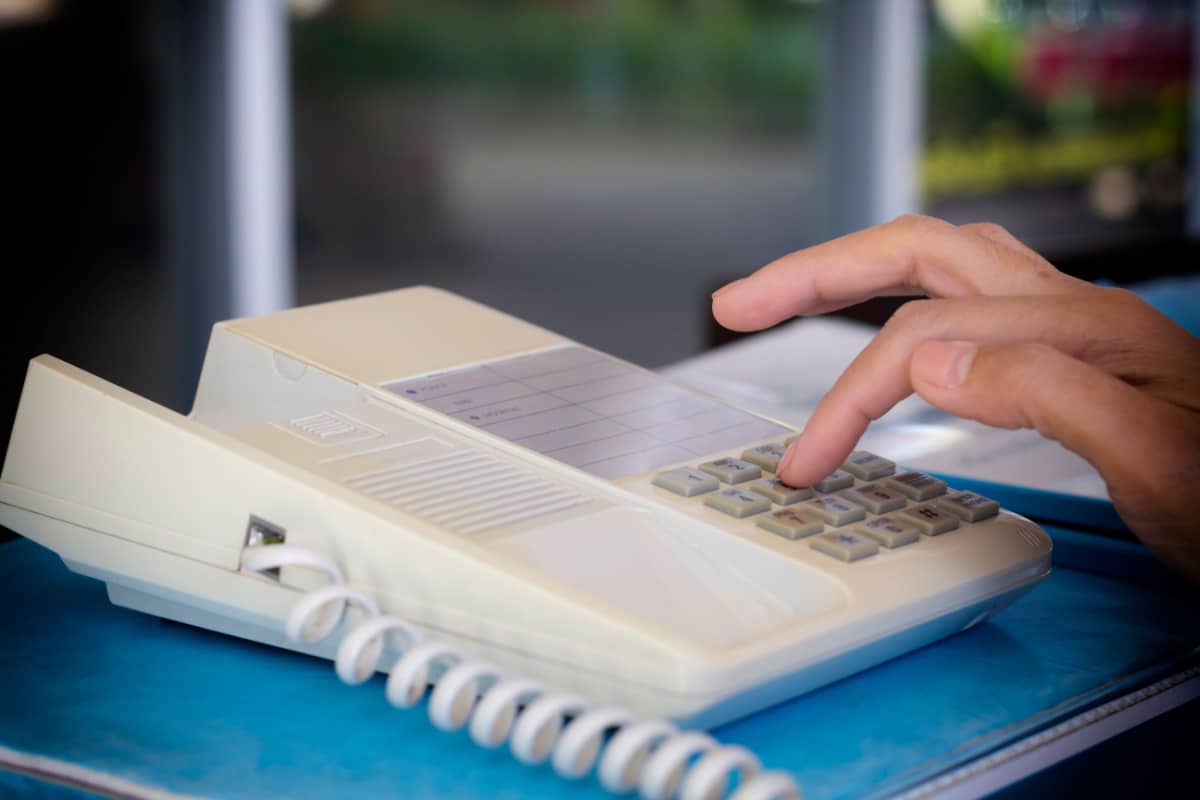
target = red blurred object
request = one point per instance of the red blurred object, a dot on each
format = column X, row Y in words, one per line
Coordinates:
column 1112, row 64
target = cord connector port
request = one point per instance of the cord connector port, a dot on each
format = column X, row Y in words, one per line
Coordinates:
column 259, row 532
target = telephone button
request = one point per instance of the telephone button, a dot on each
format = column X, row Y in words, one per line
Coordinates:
column 868, row 466
column 792, row 523
column 916, row 485
column 779, row 492
column 766, row 456
column 845, row 545
column 838, row 479
column 835, row 510
column 874, row 498
column 929, row 519
column 732, row 470
column 889, row 531
column 737, row 502
column 968, row 506
column 686, row 482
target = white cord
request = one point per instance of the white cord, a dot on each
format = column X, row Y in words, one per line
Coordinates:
column 538, row 724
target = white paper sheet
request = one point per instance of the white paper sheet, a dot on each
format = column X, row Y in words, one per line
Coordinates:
column 785, row 372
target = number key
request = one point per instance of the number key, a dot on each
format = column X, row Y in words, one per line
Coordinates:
column 835, row 510
column 845, row 545
column 968, row 506
column 732, row 470
column 686, row 482
column 766, row 456
column 916, row 485
column 929, row 519
column 868, row 466
column 737, row 502
column 874, row 498
column 779, row 492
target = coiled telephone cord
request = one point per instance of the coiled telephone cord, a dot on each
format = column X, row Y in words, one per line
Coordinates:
column 653, row 756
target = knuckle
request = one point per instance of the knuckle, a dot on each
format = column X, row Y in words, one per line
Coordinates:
column 989, row 230
column 918, row 224
column 1122, row 314
column 1120, row 301
column 1046, row 271
column 1023, row 371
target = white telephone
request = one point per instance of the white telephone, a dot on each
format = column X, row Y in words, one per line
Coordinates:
column 465, row 497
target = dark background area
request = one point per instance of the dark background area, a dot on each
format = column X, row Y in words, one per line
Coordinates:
column 84, row 273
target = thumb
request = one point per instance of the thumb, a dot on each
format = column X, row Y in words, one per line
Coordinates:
column 1118, row 429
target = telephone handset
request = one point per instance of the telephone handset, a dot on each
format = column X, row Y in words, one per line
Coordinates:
column 567, row 546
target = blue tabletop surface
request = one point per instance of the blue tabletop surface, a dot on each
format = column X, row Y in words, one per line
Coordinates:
column 195, row 712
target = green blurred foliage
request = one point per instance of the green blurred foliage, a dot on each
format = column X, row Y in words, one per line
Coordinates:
column 989, row 126
column 753, row 63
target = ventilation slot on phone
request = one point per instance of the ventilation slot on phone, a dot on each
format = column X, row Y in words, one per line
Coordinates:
column 468, row 492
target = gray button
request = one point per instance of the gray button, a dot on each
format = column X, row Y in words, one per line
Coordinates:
column 875, row 498
column 792, row 523
column 916, row 485
column 845, row 545
column 738, row 502
column 969, row 506
column 928, row 519
column 765, row 455
column 835, row 510
column 868, row 466
column 686, row 481
column 779, row 492
column 838, row 479
column 889, row 531
column 732, row 470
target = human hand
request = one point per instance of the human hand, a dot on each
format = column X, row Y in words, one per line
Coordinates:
column 1008, row 340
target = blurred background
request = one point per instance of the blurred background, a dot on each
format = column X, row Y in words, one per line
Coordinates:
column 594, row 166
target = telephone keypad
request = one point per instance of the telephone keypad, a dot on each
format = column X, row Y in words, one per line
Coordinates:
column 898, row 502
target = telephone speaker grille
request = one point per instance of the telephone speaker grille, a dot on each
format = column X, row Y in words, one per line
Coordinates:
column 467, row 492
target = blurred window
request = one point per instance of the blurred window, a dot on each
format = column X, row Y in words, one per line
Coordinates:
column 596, row 167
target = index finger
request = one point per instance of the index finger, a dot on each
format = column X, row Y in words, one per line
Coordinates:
column 911, row 255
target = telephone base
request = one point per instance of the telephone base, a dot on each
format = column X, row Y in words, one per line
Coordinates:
column 729, row 709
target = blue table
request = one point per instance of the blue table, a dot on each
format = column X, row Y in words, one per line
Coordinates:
column 188, row 711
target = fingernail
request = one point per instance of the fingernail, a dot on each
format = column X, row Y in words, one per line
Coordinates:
column 955, row 362
column 726, row 288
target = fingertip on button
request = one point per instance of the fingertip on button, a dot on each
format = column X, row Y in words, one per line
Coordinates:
column 785, row 463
